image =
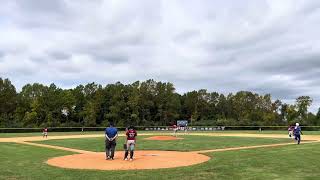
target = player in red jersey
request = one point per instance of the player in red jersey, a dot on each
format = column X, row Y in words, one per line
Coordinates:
column 131, row 134
column 175, row 129
column 45, row 132
column 290, row 131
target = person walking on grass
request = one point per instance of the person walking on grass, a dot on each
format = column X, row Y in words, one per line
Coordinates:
column 45, row 132
column 186, row 129
column 111, row 134
column 297, row 133
column 175, row 129
column 131, row 134
column 290, row 131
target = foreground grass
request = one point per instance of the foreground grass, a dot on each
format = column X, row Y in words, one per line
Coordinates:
column 189, row 143
column 290, row 162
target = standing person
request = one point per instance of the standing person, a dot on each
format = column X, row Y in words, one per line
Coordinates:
column 297, row 133
column 131, row 134
column 45, row 132
column 290, row 131
column 175, row 129
column 186, row 129
column 111, row 134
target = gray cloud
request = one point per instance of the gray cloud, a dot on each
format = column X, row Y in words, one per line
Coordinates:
column 1, row 54
column 38, row 6
column 226, row 46
column 111, row 58
column 186, row 35
column 59, row 55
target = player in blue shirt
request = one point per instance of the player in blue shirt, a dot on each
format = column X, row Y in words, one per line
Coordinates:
column 297, row 133
column 111, row 134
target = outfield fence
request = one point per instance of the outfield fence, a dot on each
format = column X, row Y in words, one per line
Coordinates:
column 157, row 128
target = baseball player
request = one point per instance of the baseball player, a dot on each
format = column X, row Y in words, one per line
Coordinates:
column 131, row 134
column 297, row 133
column 45, row 132
column 175, row 129
column 111, row 134
column 186, row 129
column 290, row 131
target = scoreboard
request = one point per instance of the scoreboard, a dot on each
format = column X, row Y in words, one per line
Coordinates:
column 182, row 123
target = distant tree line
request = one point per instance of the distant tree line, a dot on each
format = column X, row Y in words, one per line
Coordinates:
column 143, row 104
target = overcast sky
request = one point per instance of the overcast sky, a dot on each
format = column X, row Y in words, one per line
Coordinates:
column 265, row 46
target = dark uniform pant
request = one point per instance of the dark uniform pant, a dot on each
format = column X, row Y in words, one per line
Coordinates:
column 110, row 148
column 297, row 138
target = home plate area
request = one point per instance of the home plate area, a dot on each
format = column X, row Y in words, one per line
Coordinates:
column 142, row 160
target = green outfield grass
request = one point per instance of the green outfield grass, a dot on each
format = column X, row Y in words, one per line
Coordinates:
column 6, row 135
column 189, row 143
column 288, row 162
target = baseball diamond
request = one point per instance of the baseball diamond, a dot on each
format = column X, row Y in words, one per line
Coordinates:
column 146, row 159
column 159, row 90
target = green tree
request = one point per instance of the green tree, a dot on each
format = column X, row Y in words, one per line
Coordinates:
column 303, row 103
column 143, row 103
column 8, row 103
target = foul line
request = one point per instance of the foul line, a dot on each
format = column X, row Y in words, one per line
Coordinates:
column 250, row 147
column 55, row 147
column 24, row 140
column 201, row 151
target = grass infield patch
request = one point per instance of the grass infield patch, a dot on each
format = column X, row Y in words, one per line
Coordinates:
column 189, row 143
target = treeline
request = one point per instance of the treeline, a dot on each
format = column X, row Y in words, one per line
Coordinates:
column 145, row 104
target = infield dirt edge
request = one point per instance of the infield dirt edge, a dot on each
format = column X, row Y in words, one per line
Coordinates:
column 143, row 160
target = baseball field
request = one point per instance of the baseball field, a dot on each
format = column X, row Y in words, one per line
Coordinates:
column 159, row 155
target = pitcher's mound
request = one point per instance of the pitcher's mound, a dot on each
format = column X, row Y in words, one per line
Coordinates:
column 163, row 138
column 142, row 160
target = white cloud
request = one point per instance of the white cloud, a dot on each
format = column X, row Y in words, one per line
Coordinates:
column 267, row 46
